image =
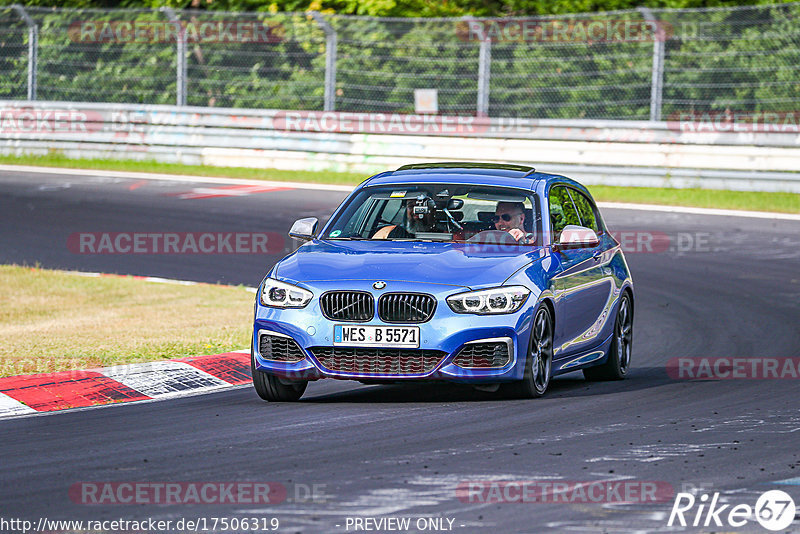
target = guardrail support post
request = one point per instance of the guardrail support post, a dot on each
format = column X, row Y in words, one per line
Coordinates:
column 33, row 49
column 180, row 89
column 330, row 61
column 659, row 51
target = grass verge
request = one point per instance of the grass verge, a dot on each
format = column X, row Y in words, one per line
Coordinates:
column 701, row 198
column 57, row 321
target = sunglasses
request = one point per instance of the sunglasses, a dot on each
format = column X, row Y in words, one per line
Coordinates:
column 506, row 217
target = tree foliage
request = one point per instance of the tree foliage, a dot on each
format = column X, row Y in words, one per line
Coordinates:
column 398, row 8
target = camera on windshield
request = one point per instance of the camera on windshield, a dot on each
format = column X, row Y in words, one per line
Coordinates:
column 422, row 206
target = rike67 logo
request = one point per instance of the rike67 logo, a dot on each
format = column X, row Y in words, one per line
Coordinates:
column 774, row 510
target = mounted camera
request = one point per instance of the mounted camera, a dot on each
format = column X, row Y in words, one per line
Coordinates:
column 422, row 206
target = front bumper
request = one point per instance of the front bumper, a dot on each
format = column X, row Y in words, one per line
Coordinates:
column 446, row 331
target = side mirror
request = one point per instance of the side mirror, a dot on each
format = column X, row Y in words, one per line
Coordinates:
column 304, row 229
column 573, row 236
column 455, row 204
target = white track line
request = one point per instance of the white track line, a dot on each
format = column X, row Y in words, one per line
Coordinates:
column 174, row 177
column 154, row 279
column 347, row 188
column 700, row 211
column 10, row 407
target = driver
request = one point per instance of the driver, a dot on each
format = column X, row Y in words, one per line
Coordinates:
column 510, row 217
column 420, row 217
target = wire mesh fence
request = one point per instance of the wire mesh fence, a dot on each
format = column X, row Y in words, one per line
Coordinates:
column 254, row 60
column 634, row 64
column 13, row 55
column 743, row 59
column 76, row 63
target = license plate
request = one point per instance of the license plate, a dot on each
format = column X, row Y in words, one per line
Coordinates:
column 376, row 336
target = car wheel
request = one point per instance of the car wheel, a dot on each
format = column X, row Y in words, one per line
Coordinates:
column 272, row 388
column 619, row 353
column 539, row 362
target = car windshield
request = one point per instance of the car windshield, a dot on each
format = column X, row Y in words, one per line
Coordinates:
column 450, row 213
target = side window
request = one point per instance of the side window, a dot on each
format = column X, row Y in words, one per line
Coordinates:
column 393, row 211
column 374, row 210
column 359, row 218
column 562, row 211
column 386, row 212
column 585, row 210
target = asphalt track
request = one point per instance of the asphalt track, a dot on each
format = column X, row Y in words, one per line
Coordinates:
column 402, row 450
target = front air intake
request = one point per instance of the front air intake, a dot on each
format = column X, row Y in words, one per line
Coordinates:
column 406, row 307
column 483, row 355
column 355, row 306
column 279, row 348
column 378, row 361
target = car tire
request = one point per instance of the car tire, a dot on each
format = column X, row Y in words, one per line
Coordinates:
column 619, row 353
column 539, row 361
column 274, row 389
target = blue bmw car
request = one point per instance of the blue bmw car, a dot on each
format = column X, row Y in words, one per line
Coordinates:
column 492, row 275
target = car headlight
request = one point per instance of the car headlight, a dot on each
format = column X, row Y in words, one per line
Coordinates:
column 282, row 295
column 489, row 301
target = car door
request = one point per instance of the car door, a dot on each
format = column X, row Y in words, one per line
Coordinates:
column 583, row 288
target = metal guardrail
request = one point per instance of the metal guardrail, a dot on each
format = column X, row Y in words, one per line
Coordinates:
column 638, row 153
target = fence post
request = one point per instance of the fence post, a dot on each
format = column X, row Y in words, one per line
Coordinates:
column 659, row 51
column 484, row 71
column 180, row 89
column 33, row 49
column 330, row 61
column 484, row 65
